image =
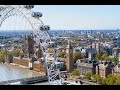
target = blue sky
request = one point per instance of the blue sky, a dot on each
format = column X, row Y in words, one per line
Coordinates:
column 80, row 16
column 71, row 17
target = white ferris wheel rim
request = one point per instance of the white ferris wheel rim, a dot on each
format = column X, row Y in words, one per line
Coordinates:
column 41, row 34
column 34, row 22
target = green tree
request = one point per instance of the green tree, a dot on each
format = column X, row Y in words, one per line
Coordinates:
column 49, row 51
column 75, row 72
column 104, row 56
column 103, row 81
column 103, row 52
column 112, row 59
column 117, row 59
column 88, row 75
column 2, row 57
column 61, row 54
column 98, row 56
column 16, row 53
column 4, row 51
column 97, row 78
column 117, row 80
column 111, row 80
column 77, row 55
column 107, row 58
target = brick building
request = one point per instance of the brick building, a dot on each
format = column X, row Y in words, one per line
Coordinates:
column 104, row 69
column 116, row 70
column 84, row 67
column 100, row 69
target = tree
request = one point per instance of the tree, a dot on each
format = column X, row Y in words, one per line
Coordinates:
column 2, row 57
column 75, row 72
column 61, row 54
column 77, row 55
column 98, row 56
column 117, row 59
column 16, row 53
column 104, row 55
column 117, row 80
column 88, row 75
column 112, row 59
column 107, row 58
column 97, row 78
column 103, row 81
column 49, row 51
column 111, row 80
column 103, row 52
column 4, row 52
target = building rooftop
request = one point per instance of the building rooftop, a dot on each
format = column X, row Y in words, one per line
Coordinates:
column 61, row 59
column 90, row 49
column 90, row 65
column 22, row 58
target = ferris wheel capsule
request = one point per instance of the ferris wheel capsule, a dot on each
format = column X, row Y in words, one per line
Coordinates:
column 28, row 6
column 44, row 27
column 36, row 14
column 41, row 27
column 58, row 65
column 47, row 27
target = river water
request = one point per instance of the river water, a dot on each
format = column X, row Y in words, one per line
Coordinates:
column 9, row 72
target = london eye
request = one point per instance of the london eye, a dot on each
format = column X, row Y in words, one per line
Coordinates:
column 30, row 20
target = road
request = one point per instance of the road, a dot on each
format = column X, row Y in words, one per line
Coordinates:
column 83, row 81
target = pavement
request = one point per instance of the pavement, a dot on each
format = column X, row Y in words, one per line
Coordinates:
column 42, row 83
column 72, row 83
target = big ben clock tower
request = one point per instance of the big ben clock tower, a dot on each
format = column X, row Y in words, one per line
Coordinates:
column 69, row 57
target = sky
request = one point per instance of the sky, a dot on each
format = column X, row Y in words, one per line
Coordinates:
column 80, row 17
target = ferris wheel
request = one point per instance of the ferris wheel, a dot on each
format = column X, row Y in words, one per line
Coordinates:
column 40, row 34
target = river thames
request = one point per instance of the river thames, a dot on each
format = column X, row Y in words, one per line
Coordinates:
column 9, row 72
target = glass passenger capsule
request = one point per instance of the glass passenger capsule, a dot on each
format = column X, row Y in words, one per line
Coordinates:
column 37, row 14
column 28, row 6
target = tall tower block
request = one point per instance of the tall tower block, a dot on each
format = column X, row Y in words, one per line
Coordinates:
column 69, row 57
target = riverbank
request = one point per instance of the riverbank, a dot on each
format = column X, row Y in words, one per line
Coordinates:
column 13, row 64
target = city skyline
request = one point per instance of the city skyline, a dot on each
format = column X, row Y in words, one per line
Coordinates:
column 82, row 47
